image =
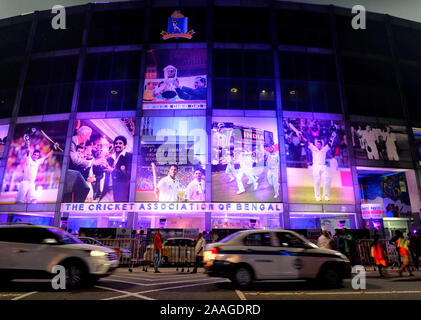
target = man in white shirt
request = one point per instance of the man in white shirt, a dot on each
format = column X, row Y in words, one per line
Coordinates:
column 273, row 169
column 325, row 241
column 200, row 247
column 370, row 138
column 196, row 189
column 390, row 137
column 319, row 167
column 330, row 171
column 169, row 187
column 246, row 168
column 26, row 192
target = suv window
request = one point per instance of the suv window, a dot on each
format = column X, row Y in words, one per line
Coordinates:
column 24, row 235
column 258, row 239
column 289, row 240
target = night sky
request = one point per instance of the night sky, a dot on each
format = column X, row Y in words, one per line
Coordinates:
column 408, row 9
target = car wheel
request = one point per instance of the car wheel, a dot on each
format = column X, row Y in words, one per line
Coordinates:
column 242, row 277
column 76, row 276
column 330, row 278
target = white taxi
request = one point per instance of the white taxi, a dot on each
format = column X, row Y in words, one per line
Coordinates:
column 278, row 254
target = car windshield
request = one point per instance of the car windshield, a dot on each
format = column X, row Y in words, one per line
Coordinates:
column 228, row 238
column 64, row 237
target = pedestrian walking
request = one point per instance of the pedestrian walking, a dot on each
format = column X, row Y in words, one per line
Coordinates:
column 415, row 248
column 398, row 234
column 146, row 260
column 349, row 246
column 339, row 241
column 403, row 246
column 157, row 247
column 325, row 240
column 200, row 247
column 378, row 253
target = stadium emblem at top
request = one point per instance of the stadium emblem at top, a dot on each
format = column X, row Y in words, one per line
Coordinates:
column 259, row 114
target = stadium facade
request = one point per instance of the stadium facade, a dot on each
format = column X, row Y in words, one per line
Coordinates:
column 277, row 114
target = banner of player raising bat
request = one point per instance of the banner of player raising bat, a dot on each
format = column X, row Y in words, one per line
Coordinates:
column 100, row 161
column 317, row 161
column 172, row 160
column 175, row 79
column 373, row 141
column 34, row 163
column 245, row 160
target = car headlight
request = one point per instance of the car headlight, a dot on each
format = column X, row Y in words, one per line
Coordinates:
column 96, row 253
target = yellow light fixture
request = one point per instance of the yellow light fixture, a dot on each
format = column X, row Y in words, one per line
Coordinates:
column 234, row 90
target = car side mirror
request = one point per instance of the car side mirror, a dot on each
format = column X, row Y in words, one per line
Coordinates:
column 49, row 241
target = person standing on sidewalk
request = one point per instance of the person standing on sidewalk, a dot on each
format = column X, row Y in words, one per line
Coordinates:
column 157, row 247
column 379, row 255
column 402, row 244
column 325, row 241
column 200, row 247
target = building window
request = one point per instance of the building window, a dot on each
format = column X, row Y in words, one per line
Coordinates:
column 49, row 86
column 14, row 38
column 9, row 80
column 115, row 27
column 48, row 39
column 235, row 24
column 371, row 87
column 302, row 28
column 243, row 80
column 110, row 81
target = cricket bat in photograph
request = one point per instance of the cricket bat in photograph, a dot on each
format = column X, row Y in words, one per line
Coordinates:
column 294, row 129
column 155, row 177
column 49, row 139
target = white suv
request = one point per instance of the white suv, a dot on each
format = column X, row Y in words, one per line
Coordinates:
column 271, row 255
column 28, row 251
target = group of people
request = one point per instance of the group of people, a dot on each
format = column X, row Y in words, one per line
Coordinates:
column 169, row 188
column 245, row 159
column 98, row 170
column 199, row 250
column 342, row 241
column 170, row 88
column 407, row 248
column 380, row 143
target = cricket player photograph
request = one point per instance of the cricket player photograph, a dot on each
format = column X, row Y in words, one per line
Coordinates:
column 317, row 161
column 34, row 166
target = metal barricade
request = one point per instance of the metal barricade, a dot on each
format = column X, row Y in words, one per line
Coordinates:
column 364, row 251
column 179, row 256
column 128, row 250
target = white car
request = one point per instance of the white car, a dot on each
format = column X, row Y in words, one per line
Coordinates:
column 29, row 251
column 278, row 254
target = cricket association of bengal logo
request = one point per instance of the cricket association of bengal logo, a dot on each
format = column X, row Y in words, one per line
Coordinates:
column 177, row 27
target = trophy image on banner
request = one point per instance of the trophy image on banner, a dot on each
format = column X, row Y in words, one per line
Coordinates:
column 170, row 78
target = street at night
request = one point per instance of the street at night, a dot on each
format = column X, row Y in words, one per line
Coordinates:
column 173, row 285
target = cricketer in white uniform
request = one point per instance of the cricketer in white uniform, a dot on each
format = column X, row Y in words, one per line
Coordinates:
column 195, row 191
column 330, row 170
column 230, row 169
column 390, row 137
column 246, row 168
column 370, row 138
column 27, row 186
column 319, row 167
column 273, row 170
column 169, row 187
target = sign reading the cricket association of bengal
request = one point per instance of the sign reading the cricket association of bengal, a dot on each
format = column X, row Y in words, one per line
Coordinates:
column 177, row 27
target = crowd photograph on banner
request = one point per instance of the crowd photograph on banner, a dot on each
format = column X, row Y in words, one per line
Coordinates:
column 245, row 160
column 172, row 164
column 380, row 142
column 4, row 130
column 34, row 163
column 100, row 163
column 317, row 161
column 175, row 79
